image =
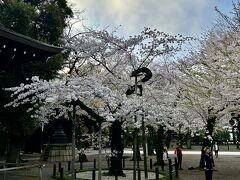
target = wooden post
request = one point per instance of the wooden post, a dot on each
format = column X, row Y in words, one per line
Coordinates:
column 59, row 166
column 40, row 172
column 139, row 174
column 54, row 170
column 157, row 173
column 69, row 165
column 81, row 165
column 73, row 140
column 144, row 149
column 170, row 168
column 108, row 162
column 162, row 165
column 93, row 174
column 135, row 139
column 151, row 166
column 116, row 175
column 61, row 173
column 100, row 152
column 176, row 167
column 5, row 172
column 123, row 163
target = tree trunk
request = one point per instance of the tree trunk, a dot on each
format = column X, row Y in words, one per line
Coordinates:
column 189, row 139
column 13, row 152
column 168, row 138
column 116, row 149
column 159, row 145
column 150, row 140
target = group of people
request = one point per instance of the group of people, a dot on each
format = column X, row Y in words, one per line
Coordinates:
column 208, row 159
column 177, row 152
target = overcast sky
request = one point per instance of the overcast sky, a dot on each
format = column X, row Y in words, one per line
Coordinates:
column 187, row 17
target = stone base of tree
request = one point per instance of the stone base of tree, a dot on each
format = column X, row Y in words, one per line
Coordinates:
column 82, row 157
column 116, row 167
column 116, row 173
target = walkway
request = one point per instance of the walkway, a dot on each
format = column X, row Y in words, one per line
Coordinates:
column 227, row 165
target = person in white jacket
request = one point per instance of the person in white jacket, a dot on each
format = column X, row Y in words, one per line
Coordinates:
column 216, row 149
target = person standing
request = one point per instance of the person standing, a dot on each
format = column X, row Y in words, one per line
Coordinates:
column 208, row 164
column 216, row 149
column 165, row 152
column 178, row 153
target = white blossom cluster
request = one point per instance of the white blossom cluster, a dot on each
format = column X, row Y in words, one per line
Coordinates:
column 98, row 71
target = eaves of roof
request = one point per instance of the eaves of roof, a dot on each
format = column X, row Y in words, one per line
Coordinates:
column 9, row 34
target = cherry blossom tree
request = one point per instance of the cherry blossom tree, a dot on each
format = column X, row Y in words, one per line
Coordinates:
column 209, row 76
column 99, row 68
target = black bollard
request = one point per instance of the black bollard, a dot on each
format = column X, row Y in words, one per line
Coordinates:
column 176, row 167
column 69, row 165
column 59, row 167
column 61, row 173
column 162, row 165
column 139, row 174
column 123, row 162
column 170, row 168
column 54, row 170
column 157, row 173
column 93, row 174
column 108, row 162
column 151, row 164
column 94, row 170
column 116, row 175
column 94, row 163
column 75, row 174
column 81, row 165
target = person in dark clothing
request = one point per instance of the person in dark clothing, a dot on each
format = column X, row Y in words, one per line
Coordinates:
column 178, row 153
column 208, row 164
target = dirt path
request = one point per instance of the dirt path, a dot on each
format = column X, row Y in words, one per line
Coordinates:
column 226, row 168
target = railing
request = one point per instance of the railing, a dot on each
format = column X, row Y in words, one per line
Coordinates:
column 21, row 171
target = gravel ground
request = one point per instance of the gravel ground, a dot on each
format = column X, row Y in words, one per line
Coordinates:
column 227, row 167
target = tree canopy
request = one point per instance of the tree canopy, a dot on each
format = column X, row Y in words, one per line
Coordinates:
column 41, row 20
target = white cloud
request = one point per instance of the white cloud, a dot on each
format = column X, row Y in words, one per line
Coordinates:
column 187, row 17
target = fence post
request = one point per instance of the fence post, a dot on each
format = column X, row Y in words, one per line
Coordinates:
column 94, row 163
column 40, row 172
column 59, row 166
column 108, row 162
column 81, row 165
column 170, row 168
column 116, row 175
column 162, row 164
column 93, row 174
column 61, row 173
column 151, row 164
column 94, row 170
column 4, row 176
column 69, row 165
column 157, row 173
column 176, row 167
column 54, row 170
column 123, row 160
column 139, row 174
